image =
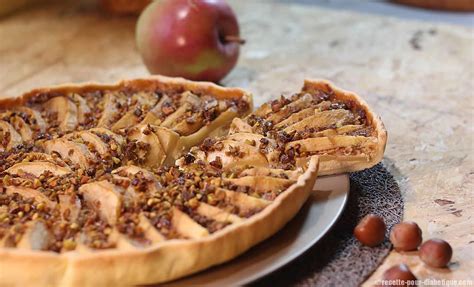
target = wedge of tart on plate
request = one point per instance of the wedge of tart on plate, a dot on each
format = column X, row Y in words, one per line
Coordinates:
column 321, row 119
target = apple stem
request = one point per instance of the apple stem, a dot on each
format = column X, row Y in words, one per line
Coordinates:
column 236, row 39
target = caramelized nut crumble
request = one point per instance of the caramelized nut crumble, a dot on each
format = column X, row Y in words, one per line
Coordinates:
column 85, row 170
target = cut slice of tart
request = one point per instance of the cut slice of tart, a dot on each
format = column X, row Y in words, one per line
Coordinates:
column 323, row 120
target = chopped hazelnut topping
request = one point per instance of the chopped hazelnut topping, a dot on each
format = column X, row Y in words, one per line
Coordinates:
column 217, row 163
column 189, row 158
column 167, row 109
column 207, row 144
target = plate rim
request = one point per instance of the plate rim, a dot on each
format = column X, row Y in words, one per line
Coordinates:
column 311, row 243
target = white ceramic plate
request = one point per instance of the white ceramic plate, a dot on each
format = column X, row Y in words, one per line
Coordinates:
column 314, row 220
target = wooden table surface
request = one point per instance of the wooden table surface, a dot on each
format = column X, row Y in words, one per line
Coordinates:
column 418, row 76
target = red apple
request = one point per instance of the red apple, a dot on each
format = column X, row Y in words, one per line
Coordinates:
column 194, row 39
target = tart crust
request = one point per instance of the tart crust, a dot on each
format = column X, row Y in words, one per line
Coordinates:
column 150, row 83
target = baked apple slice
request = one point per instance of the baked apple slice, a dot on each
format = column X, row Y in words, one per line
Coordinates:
column 32, row 117
column 149, row 151
column 105, row 198
column 19, row 124
column 84, row 112
column 115, row 141
column 111, row 108
column 22, row 127
column 73, row 152
column 36, row 236
column 27, row 157
column 140, row 104
column 70, row 206
column 9, row 137
column 38, row 168
column 34, row 194
column 61, row 111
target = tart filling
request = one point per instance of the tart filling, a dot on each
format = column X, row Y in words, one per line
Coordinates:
column 55, row 205
column 83, row 167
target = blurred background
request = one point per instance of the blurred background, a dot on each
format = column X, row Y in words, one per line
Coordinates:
column 450, row 11
column 38, row 33
column 47, row 42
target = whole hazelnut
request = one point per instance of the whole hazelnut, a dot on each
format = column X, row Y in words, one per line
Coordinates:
column 406, row 236
column 399, row 275
column 436, row 253
column 371, row 230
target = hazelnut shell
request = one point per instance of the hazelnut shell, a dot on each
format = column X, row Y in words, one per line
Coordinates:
column 371, row 230
column 399, row 272
column 436, row 253
column 406, row 236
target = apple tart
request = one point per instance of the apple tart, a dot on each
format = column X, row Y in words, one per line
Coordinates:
column 90, row 194
column 143, row 182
